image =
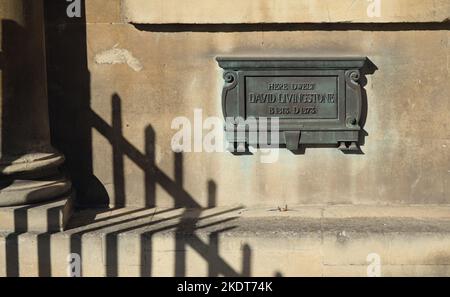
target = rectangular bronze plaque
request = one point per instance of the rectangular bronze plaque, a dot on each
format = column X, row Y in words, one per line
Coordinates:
column 316, row 100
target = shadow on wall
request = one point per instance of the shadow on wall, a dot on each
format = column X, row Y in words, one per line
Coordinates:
column 286, row 27
column 72, row 121
column 184, row 229
column 71, row 118
column 183, row 226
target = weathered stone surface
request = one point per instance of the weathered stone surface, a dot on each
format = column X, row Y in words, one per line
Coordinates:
column 3, row 262
column 42, row 217
column 122, row 150
column 282, row 11
column 10, row 165
column 303, row 241
column 406, row 151
column 103, row 11
column 117, row 87
column 22, row 192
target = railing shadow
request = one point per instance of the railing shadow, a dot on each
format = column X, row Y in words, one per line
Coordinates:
column 184, row 229
column 72, row 122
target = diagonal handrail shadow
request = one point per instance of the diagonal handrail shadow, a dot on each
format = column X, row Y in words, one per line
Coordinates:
column 155, row 176
column 73, row 122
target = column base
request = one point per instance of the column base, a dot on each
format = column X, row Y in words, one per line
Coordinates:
column 29, row 163
column 31, row 178
column 45, row 217
column 22, row 192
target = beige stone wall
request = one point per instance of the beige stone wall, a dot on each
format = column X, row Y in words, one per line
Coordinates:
column 283, row 11
column 161, row 72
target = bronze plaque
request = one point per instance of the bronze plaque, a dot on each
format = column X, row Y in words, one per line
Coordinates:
column 317, row 101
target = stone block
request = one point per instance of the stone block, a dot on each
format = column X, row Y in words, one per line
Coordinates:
column 283, row 11
column 49, row 216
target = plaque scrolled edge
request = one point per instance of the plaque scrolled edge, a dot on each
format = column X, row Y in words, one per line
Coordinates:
column 353, row 98
column 230, row 83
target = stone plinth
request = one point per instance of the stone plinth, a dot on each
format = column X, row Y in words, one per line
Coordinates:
column 302, row 241
column 42, row 217
column 28, row 163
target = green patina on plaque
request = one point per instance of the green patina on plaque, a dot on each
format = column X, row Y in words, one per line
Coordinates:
column 317, row 100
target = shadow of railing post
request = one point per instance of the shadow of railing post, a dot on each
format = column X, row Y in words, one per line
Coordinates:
column 12, row 241
column 149, row 170
column 153, row 176
column 118, row 166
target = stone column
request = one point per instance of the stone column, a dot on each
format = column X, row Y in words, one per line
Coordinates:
column 28, row 163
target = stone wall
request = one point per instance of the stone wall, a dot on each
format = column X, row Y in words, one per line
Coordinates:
column 284, row 11
column 148, row 62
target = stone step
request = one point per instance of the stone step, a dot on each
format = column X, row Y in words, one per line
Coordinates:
column 50, row 216
column 294, row 241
